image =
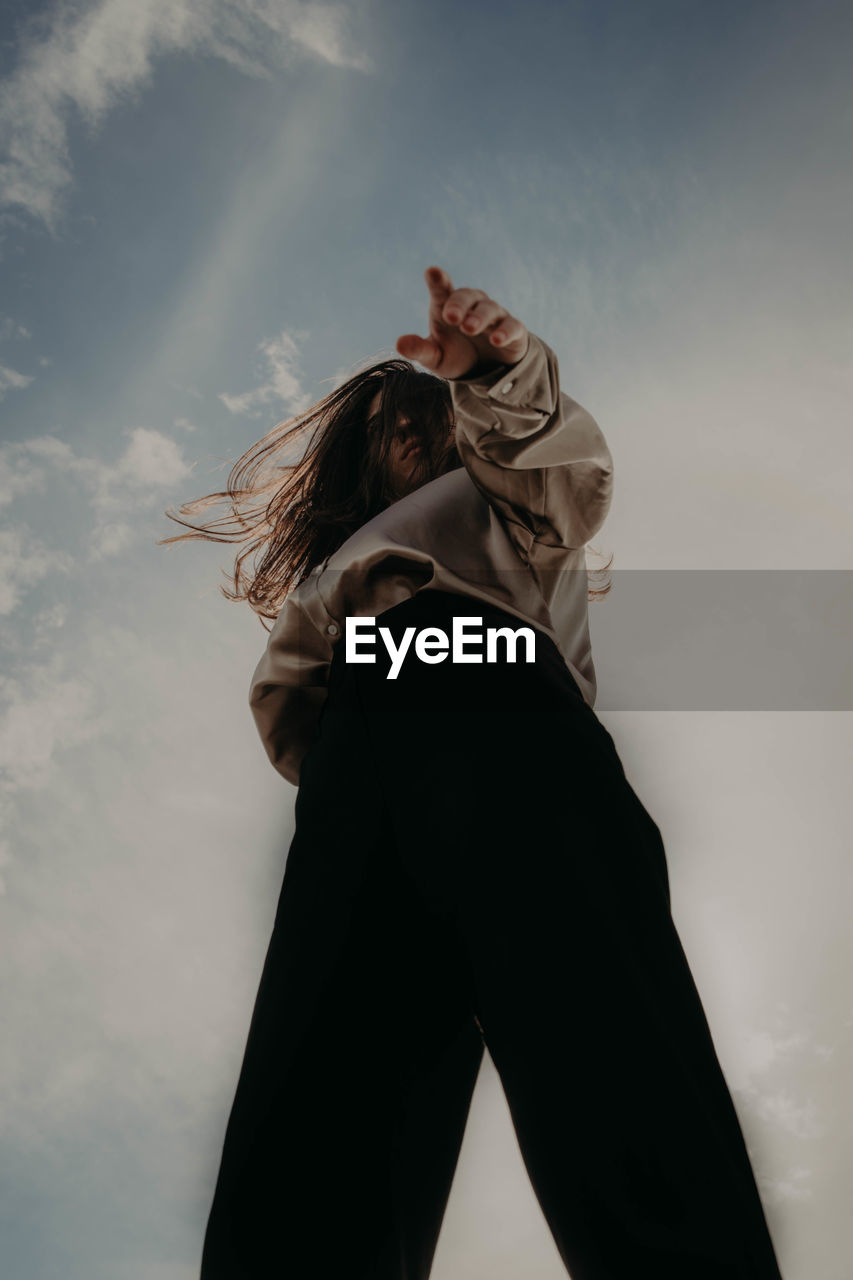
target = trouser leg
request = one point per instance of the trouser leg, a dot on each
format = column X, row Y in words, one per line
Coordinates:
column 557, row 876
column 595, row 1026
column 360, row 1061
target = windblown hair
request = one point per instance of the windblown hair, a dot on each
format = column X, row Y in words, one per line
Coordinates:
column 301, row 490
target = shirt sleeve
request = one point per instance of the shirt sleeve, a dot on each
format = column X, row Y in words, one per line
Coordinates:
column 537, row 456
column 290, row 683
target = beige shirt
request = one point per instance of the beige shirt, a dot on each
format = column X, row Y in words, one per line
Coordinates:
column 509, row 527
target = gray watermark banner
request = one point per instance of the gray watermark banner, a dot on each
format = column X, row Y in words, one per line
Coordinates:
column 724, row 640
column 662, row 639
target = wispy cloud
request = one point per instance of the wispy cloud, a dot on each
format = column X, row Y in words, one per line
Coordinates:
column 24, row 561
column 94, row 59
column 10, row 328
column 762, row 1049
column 149, row 464
column 770, row 1063
column 50, row 715
column 281, row 358
column 11, row 380
column 18, row 474
column 782, row 1109
column 794, row 1186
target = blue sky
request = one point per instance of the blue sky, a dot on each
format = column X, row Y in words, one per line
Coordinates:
column 211, row 211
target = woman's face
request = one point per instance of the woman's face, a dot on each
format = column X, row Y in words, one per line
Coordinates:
column 405, row 453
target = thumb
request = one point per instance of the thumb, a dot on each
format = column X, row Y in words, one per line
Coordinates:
column 425, row 350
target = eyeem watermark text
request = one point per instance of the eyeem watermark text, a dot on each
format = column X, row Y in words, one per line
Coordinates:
column 432, row 645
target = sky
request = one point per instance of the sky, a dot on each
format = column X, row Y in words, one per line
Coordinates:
column 212, row 212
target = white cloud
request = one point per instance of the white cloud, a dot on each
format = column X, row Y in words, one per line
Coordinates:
column 762, row 1049
column 48, row 620
column 781, row 1109
column 792, row 1187
column 282, row 366
column 51, row 448
column 10, row 328
column 51, row 716
column 150, row 463
column 95, row 59
column 150, row 460
column 187, row 391
column 11, row 380
column 24, row 561
column 17, row 475
column 317, row 29
column 109, row 539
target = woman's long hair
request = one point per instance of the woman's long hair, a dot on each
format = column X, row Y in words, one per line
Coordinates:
column 301, row 490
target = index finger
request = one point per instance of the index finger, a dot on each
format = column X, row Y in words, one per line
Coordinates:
column 439, row 283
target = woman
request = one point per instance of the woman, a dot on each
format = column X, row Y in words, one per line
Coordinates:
column 469, row 864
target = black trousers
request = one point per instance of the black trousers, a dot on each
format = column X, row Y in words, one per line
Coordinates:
column 470, row 865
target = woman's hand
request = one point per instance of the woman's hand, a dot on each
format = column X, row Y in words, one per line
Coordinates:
column 466, row 329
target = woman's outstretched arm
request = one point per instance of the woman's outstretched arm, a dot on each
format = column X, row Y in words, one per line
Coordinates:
column 533, row 451
column 538, row 456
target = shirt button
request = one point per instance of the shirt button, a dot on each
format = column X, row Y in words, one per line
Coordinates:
column 507, row 387
column 333, row 629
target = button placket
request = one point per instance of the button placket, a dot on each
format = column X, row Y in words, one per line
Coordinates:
column 330, row 625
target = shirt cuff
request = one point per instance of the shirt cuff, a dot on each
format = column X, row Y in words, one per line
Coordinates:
column 532, row 381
